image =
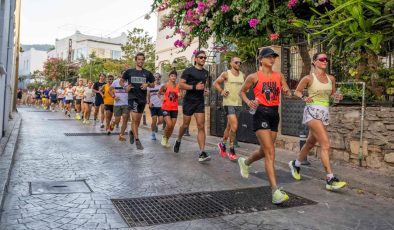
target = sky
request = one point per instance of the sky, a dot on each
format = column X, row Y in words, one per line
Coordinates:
column 42, row 21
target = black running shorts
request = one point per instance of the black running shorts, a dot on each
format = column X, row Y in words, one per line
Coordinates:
column 136, row 106
column 156, row 111
column 191, row 107
column 78, row 101
column 109, row 108
column 266, row 118
column 171, row 113
column 98, row 101
column 69, row 102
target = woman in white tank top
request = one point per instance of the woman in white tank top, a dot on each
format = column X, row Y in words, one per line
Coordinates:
column 321, row 87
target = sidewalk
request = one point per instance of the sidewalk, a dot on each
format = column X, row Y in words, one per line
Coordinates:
column 8, row 145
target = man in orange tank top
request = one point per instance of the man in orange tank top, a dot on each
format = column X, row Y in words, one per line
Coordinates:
column 267, row 86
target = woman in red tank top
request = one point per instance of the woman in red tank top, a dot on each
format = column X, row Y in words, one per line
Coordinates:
column 267, row 87
column 171, row 95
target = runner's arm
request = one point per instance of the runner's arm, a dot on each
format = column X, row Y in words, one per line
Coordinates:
column 184, row 86
column 249, row 82
column 222, row 78
column 299, row 92
column 285, row 87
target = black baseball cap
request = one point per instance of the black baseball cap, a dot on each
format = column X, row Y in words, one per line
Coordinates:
column 266, row 52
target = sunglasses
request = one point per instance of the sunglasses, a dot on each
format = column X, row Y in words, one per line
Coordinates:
column 202, row 57
column 324, row 59
column 237, row 62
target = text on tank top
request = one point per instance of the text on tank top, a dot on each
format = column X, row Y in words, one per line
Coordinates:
column 171, row 97
column 233, row 84
column 320, row 92
column 267, row 89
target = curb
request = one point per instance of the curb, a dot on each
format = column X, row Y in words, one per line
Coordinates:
column 317, row 172
column 7, row 149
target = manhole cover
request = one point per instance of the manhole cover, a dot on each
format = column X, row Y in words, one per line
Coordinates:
column 59, row 187
column 155, row 210
column 88, row 134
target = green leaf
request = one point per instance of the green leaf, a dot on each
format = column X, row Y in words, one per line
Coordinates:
column 371, row 8
column 333, row 26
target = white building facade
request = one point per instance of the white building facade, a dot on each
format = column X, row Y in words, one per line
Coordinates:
column 30, row 61
column 9, row 50
column 80, row 46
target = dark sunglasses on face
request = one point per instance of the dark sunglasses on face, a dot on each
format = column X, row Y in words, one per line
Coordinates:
column 202, row 57
column 323, row 59
column 237, row 62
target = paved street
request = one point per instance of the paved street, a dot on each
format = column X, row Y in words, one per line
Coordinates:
column 118, row 170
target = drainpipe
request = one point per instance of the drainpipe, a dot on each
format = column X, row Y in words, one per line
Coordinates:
column 360, row 149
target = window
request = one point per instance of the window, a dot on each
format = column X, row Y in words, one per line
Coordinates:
column 116, row 54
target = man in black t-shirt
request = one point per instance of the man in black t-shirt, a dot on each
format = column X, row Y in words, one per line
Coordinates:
column 138, row 80
column 194, row 81
column 98, row 88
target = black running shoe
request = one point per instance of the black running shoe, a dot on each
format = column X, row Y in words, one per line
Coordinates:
column 139, row 145
column 131, row 137
column 204, row 157
column 176, row 146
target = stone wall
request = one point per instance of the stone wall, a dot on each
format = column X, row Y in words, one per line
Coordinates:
column 378, row 141
column 344, row 131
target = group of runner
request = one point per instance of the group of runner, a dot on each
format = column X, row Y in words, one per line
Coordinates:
column 127, row 96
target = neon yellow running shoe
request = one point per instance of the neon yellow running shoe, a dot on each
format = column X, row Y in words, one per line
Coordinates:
column 335, row 184
column 279, row 196
column 244, row 169
column 164, row 141
column 295, row 171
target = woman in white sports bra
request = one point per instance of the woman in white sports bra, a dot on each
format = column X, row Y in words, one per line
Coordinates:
column 321, row 87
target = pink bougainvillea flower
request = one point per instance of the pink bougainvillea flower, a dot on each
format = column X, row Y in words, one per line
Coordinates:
column 189, row 13
column 168, row 37
column 178, row 43
column 224, row 8
column 274, row 37
column 253, row 22
column 206, row 30
column 200, row 7
column 292, row 3
column 189, row 4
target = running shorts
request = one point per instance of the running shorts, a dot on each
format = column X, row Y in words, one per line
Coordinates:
column 156, row 111
column 98, row 101
column 119, row 110
column 136, row 106
column 109, row 108
column 191, row 107
column 266, row 117
column 78, row 101
column 69, row 102
column 171, row 113
column 229, row 110
column 54, row 101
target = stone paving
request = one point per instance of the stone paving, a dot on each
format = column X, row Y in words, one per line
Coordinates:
column 118, row 170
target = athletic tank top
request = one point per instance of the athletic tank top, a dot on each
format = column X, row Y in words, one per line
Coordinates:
column 320, row 92
column 267, row 89
column 88, row 95
column 79, row 90
column 171, row 95
column 108, row 99
column 69, row 94
column 233, row 85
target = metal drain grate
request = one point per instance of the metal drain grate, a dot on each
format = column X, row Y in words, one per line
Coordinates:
column 38, row 111
column 88, row 134
column 155, row 210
